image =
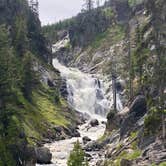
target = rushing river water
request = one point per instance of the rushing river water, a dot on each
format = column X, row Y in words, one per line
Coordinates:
column 86, row 94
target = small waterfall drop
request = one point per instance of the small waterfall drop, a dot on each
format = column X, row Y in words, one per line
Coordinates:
column 85, row 93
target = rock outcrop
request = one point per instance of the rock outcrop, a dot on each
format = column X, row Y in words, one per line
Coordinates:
column 43, row 155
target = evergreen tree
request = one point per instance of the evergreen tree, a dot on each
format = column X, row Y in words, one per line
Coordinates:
column 89, row 4
column 20, row 40
column 77, row 156
column 8, row 69
column 30, row 78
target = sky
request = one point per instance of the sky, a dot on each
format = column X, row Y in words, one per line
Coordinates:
column 51, row 11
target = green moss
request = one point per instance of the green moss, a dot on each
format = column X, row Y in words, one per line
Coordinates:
column 162, row 164
column 133, row 135
column 125, row 155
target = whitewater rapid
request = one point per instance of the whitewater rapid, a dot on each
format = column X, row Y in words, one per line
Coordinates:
column 85, row 92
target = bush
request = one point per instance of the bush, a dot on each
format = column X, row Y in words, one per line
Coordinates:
column 77, row 156
column 152, row 121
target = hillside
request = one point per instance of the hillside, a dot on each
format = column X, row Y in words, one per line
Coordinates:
column 31, row 104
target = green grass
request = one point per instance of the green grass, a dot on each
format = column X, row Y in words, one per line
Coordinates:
column 126, row 155
column 37, row 117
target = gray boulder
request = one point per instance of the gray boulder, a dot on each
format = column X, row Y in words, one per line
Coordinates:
column 86, row 139
column 43, row 155
column 94, row 122
column 137, row 110
column 138, row 107
column 92, row 146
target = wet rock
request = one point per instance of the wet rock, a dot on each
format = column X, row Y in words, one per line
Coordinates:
column 81, row 118
column 125, row 162
column 58, row 129
column 94, row 122
column 63, row 89
column 92, row 146
column 72, row 132
column 104, row 122
column 43, row 155
column 86, row 139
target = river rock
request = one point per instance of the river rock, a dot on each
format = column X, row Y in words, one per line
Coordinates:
column 92, row 146
column 88, row 156
column 43, row 155
column 86, row 139
column 72, row 131
column 94, row 122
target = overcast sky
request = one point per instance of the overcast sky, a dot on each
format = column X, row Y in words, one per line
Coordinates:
column 52, row 11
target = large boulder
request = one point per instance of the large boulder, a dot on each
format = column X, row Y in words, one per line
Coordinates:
column 43, row 155
column 94, row 122
column 72, row 131
column 138, row 107
column 92, row 146
column 137, row 110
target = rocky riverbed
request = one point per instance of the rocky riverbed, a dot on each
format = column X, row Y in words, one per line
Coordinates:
column 61, row 149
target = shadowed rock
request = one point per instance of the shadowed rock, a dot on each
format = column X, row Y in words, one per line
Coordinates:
column 43, row 155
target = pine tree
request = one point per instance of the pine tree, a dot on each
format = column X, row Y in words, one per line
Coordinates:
column 77, row 156
column 8, row 71
column 89, row 4
column 20, row 40
column 30, row 78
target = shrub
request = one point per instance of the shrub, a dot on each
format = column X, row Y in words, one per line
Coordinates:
column 77, row 156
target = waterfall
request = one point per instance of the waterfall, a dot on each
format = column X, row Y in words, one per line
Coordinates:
column 85, row 92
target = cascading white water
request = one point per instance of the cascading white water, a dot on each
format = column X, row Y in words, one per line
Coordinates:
column 85, row 93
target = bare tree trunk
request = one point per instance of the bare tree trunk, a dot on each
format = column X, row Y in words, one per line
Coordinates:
column 130, row 62
column 114, row 91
